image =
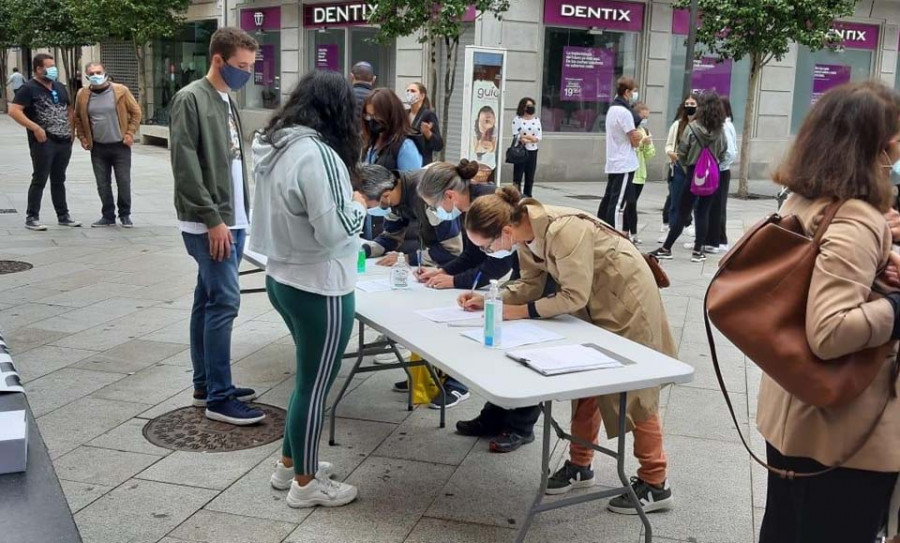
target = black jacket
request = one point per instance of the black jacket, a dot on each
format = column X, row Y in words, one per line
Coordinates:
column 361, row 91
column 427, row 147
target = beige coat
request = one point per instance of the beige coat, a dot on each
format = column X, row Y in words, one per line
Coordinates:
column 127, row 109
column 603, row 279
column 844, row 315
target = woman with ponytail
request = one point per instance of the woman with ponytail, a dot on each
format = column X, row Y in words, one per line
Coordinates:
column 603, row 279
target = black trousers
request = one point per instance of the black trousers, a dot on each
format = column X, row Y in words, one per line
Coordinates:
column 614, row 199
column 687, row 202
column 512, row 421
column 527, row 170
column 632, row 194
column 49, row 160
column 106, row 158
column 718, row 212
column 842, row 506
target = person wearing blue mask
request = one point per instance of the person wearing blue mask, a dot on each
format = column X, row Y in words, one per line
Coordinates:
column 212, row 204
column 43, row 107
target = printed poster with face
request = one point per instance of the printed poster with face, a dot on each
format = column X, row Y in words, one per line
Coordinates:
column 483, row 106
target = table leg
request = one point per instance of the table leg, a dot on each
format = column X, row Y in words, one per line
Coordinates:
column 409, row 394
column 340, row 396
column 440, row 385
column 620, row 465
column 546, row 407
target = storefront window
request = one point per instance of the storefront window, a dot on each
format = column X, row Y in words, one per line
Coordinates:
column 728, row 78
column 176, row 62
column 338, row 37
column 582, row 64
column 264, row 89
column 820, row 71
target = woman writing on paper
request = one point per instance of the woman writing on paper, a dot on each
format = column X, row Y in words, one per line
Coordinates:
column 603, row 279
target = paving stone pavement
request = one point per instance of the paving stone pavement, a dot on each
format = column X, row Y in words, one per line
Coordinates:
column 98, row 329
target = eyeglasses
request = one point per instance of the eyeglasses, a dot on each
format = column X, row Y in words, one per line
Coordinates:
column 55, row 96
column 487, row 249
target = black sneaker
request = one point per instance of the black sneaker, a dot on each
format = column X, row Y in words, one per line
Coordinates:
column 66, row 220
column 103, row 222
column 126, row 222
column 34, row 224
column 652, row 498
column 452, row 397
column 234, row 412
column 662, row 253
column 402, row 386
column 242, row 395
column 570, row 477
column 476, row 427
column 510, row 442
column 698, row 256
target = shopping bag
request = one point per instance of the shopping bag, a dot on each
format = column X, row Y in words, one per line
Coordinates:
column 424, row 389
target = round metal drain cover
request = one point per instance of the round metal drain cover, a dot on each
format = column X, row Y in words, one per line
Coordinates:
column 188, row 429
column 13, row 266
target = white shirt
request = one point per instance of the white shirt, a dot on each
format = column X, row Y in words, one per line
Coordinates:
column 621, row 157
column 241, row 221
column 732, row 153
column 528, row 127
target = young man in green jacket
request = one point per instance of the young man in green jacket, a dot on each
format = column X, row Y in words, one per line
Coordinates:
column 213, row 205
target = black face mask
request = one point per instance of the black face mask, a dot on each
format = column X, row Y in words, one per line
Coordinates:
column 375, row 128
column 690, row 110
column 529, row 110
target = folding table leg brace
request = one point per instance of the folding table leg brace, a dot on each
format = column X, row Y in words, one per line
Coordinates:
column 539, row 506
column 370, row 349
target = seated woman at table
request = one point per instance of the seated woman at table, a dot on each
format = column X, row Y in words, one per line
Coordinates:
column 307, row 223
column 603, row 279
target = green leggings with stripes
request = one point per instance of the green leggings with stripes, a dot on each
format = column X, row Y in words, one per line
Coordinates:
column 321, row 327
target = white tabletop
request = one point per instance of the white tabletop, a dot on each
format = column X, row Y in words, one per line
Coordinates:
column 489, row 372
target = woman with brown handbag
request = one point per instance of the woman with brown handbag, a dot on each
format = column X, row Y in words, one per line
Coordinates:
column 845, row 152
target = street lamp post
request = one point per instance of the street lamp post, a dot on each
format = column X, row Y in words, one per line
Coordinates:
column 689, row 55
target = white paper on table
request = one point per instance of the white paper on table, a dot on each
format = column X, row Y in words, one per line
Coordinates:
column 565, row 359
column 12, row 425
column 450, row 314
column 516, row 334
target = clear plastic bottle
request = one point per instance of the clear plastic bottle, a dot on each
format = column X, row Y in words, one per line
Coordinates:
column 493, row 316
column 400, row 273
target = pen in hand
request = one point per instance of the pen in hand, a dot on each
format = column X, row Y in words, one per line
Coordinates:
column 475, row 283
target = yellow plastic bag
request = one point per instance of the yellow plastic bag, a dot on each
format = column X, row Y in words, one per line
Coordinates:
column 424, row 388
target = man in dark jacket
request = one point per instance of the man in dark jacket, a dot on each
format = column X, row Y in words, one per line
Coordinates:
column 362, row 77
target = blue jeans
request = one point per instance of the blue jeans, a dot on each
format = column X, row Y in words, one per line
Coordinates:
column 217, row 299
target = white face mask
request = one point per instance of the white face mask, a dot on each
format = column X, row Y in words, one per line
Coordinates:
column 412, row 98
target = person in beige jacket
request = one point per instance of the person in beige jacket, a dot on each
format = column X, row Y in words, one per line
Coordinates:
column 852, row 306
column 602, row 279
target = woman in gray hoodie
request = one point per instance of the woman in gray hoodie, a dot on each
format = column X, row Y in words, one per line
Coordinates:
column 307, row 221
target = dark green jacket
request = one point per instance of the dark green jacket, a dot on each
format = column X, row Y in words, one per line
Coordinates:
column 201, row 162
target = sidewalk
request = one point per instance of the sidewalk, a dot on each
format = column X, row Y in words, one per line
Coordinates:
column 99, row 331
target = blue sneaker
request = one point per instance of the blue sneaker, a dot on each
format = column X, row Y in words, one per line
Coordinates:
column 454, row 394
column 234, row 412
column 242, row 394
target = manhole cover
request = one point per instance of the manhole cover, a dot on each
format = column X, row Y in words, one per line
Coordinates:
column 7, row 211
column 188, row 429
column 13, row 266
column 584, row 197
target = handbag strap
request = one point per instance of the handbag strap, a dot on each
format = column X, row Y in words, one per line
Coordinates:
column 827, row 216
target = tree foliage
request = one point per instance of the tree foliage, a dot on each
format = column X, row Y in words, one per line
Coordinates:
column 8, row 39
column 762, row 31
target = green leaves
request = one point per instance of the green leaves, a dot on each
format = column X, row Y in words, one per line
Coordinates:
column 430, row 20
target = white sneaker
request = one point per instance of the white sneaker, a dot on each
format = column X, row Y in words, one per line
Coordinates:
column 689, row 245
column 724, row 247
column 709, row 249
column 321, row 491
column 283, row 476
column 389, row 358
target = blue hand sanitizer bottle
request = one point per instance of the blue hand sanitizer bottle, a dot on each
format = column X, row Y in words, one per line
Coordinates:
column 493, row 316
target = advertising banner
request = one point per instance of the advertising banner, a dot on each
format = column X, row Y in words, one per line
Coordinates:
column 327, row 57
column 827, row 77
column 588, row 74
column 264, row 68
column 483, row 109
column 261, row 20
column 710, row 75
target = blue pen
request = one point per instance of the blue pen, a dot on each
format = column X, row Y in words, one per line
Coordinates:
column 475, row 284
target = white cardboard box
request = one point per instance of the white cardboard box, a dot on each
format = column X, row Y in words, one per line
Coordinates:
column 13, row 441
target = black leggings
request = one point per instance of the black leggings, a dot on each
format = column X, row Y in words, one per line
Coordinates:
column 718, row 212
column 632, row 194
column 526, row 169
column 681, row 193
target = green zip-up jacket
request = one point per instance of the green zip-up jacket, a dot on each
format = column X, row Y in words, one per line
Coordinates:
column 199, row 144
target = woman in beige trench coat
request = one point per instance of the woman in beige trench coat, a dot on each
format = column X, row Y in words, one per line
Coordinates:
column 602, row 279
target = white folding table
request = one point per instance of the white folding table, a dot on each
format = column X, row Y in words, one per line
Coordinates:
column 508, row 384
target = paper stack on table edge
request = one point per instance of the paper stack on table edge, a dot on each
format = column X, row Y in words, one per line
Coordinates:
column 565, row 359
column 516, row 334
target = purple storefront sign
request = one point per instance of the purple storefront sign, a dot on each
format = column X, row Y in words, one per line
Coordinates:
column 857, row 35
column 681, row 22
column 827, row 77
column 264, row 68
column 605, row 14
column 327, row 57
column 587, row 74
column 710, row 75
column 263, row 19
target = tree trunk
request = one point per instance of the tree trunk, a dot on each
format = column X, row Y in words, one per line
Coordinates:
column 4, row 53
column 142, row 78
column 747, row 133
column 452, row 46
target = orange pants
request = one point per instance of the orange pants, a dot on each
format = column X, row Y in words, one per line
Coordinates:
column 648, row 441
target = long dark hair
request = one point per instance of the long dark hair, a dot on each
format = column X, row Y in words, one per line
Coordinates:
column 726, row 103
column 324, row 102
column 490, row 132
column 683, row 118
column 520, row 110
column 710, row 112
column 389, row 111
column 839, row 150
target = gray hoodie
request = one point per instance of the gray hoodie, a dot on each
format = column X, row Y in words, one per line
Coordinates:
column 304, row 211
column 694, row 141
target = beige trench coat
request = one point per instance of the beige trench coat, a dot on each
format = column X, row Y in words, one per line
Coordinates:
column 603, row 279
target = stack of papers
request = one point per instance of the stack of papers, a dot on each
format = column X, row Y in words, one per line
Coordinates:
column 565, row 359
column 451, row 314
column 516, row 334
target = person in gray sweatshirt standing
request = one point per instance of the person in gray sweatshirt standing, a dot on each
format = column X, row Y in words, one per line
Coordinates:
column 307, row 223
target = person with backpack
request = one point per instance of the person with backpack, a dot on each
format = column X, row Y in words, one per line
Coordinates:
column 702, row 147
column 717, row 239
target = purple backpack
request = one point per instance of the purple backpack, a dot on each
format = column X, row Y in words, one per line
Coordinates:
column 706, row 172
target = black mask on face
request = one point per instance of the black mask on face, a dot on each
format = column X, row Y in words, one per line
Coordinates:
column 690, row 110
column 529, row 110
column 375, row 128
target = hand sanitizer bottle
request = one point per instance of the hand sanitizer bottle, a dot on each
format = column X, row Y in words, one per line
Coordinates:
column 400, row 273
column 493, row 316
column 361, row 261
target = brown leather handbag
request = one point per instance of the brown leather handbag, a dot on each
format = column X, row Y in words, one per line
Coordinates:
column 758, row 298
